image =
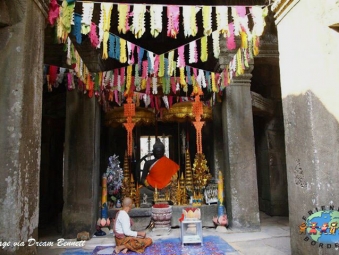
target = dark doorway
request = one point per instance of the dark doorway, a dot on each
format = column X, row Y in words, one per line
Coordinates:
column 51, row 168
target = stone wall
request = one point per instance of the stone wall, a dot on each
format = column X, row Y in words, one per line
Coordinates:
column 309, row 81
column 21, row 50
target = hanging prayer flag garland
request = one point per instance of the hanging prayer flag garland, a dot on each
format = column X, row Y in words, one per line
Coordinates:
column 137, row 13
column 155, row 71
column 120, row 81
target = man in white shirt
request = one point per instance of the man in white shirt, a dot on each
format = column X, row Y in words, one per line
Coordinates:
column 125, row 238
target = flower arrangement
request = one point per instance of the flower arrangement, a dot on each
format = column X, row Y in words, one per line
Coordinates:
column 114, row 175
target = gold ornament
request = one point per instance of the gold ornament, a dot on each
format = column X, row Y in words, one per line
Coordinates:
column 183, row 111
column 201, row 174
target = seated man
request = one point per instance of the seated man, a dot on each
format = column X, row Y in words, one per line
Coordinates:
column 159, row 172
column 125, row 238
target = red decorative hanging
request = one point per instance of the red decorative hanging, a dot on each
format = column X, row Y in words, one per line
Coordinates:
column 197, row 112
column 129, row 112
column 198, row 126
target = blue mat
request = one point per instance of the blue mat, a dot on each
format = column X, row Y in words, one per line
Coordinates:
column 77, row 252
column 212, row 245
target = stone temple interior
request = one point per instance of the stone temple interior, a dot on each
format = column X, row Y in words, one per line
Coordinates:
column 273, row 132
column 267, row 115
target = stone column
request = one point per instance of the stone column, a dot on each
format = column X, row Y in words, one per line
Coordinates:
column 241, row 189
column 218, row 145
column 22, row 25
column 309, row 77
column 82, row 162
column 270, row 146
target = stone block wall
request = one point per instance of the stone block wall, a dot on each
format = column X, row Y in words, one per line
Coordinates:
column 309, row 81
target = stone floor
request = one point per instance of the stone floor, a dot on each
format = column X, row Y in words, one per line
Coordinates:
column 274, row 238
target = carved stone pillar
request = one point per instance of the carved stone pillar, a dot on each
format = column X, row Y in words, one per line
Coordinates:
column 22, row 25
column 217, row 134
column 241, row 175
column 82, row 165
column 269, row 126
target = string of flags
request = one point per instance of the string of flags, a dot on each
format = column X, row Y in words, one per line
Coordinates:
column 147, row 71
column 131, row 17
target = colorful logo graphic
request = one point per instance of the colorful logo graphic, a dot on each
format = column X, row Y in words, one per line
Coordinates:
column 321, row 227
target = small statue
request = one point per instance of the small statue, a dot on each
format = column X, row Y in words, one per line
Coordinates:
column 118, row 204
column 144, row 198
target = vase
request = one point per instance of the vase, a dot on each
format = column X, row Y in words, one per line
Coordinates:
column 162, row 217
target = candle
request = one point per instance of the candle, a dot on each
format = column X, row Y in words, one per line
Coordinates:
column 220, row 194
column 104, row 189
column 220, row 188
column 104, row 197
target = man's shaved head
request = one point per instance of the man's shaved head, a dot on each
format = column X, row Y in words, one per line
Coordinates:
column 127, row 202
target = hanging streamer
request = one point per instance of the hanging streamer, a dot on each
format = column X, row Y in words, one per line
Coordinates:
column 243, row 37
column 189, row 20
column 258, row 15
column 53, row 12
column 123, row 57
column 240, row 65
column 236, row 22
column 128, row 79
column 193, row 53
column 216, row 46
column 123, row 10
column 208, row 80
column 222, row 20
column 231, row 39
column 203, row 50
column 151, row 59
column 214, row 85
column 137, row 82
column 243, row 19
column 161, row 72
column 138, row 21
column 106, row 9
column 117, row 48
column 66, row 13
column 188, row 75
column 111, row 49
column 93, row 36
column 154, row 85
column 156, row 19
column 87, row 14
column 76, row 31
column 186, row 14
column 173, row 21
column 156, row 65
column 181, row 56
column 194, row 27
column 207, row 19
column 132, row 53
column 122, row 79
column 182, row 78
column 170, row 63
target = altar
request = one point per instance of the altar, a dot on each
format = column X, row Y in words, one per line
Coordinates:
column 142, row 216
